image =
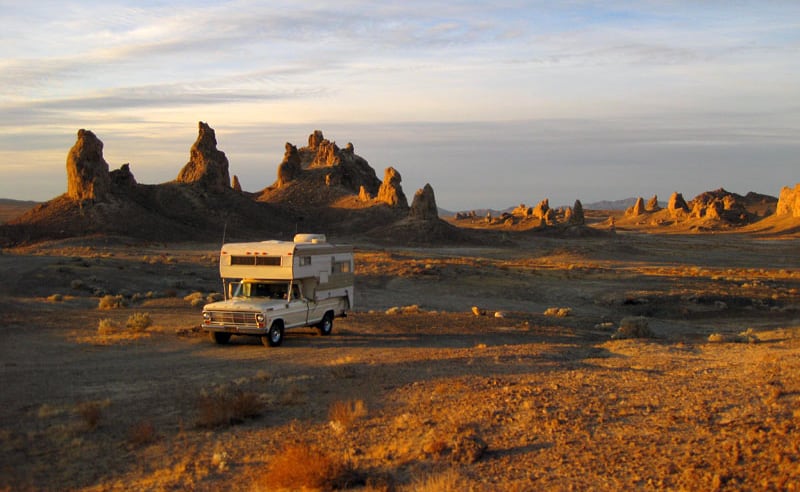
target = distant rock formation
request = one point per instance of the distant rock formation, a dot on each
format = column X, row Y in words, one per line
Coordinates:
column 235, row 184
column 390, row 191
column 789, row 202
column 87, row 170
column 423, row 207
column 289, row 169
column 637, row 209
column 652, row 204
column 577, row 217
column 207, row 166
column 541, row 209
column 677, row 204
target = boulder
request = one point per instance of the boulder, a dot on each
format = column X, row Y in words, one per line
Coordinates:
column 789, row 201
column 207, row 166
column 87, row 170
column 652, row 204
column 390, row 191
column 423, row 206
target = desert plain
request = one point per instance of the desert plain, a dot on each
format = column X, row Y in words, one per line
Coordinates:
column 479, row 367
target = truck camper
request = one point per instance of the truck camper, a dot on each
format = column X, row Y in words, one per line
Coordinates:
column 271, row 286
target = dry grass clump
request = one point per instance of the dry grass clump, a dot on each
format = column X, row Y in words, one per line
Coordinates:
column 142, row 433
column 196, row 299
column 107, row 326
column 109, row 301
column 343, row 414
column 139, row 322
column 447, row 481
column 304, row 467
column 558, row 312
column 223, row 408
column 633, row 327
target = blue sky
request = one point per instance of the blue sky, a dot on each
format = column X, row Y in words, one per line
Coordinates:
column 494, row 105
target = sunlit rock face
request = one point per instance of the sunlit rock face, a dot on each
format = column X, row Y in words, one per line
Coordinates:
column 87, row 170
column 789, row 201
column 207, row 165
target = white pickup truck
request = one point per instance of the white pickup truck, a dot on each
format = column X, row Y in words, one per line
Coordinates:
column 271, row 286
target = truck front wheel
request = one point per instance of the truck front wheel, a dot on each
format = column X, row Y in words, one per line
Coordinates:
column 274, row 337
column 325, row 326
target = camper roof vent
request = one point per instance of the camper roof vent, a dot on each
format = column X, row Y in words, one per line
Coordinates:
column 309, row 238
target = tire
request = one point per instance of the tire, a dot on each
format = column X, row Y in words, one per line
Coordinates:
column 274, row 336
column 218, row 337
column 325, row 326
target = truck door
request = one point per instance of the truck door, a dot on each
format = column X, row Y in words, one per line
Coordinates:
column 297, row 308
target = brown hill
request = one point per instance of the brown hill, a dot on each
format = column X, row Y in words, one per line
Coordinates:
column 10, row 209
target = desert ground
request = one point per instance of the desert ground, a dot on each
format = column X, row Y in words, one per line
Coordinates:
column 108, row 383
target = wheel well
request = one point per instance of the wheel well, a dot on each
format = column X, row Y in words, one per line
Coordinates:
column 277, row 322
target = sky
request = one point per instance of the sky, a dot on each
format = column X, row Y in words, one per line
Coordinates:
column 492, row 104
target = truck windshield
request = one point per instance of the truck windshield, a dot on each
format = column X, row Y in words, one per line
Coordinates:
column 261, row 289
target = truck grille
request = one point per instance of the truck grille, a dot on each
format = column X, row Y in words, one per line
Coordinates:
column 238, row 318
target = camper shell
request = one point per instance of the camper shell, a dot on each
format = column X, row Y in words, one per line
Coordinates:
column 270, row 286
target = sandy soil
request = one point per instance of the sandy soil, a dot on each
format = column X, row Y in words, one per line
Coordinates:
column 413, row 391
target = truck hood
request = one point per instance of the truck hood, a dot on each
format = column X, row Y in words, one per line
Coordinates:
column 254, row 305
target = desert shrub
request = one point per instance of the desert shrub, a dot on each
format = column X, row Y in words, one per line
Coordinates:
column 304, row 467
column 223, row 408
column 195, row 299
column 109, row 301
column 142, row 433
column 413, row 309
column 91, row 412
column 138, row 321
column 558, row 312
column 393, row 310
column 633, row 327
column 343, row 414
column 55, row 298
column 214, row 297
column 107, row 326
column 747, row 336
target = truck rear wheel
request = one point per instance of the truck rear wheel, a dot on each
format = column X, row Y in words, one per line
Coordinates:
column 218, row 337
column 325, row 326
column 274, row 336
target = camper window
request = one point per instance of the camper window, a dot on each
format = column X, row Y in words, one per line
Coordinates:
column 341, row 267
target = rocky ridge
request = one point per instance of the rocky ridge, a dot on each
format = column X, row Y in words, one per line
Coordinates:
column 319, row 187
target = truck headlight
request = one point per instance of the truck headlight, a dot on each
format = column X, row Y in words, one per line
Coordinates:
column 260, row 318
column 206, row 316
